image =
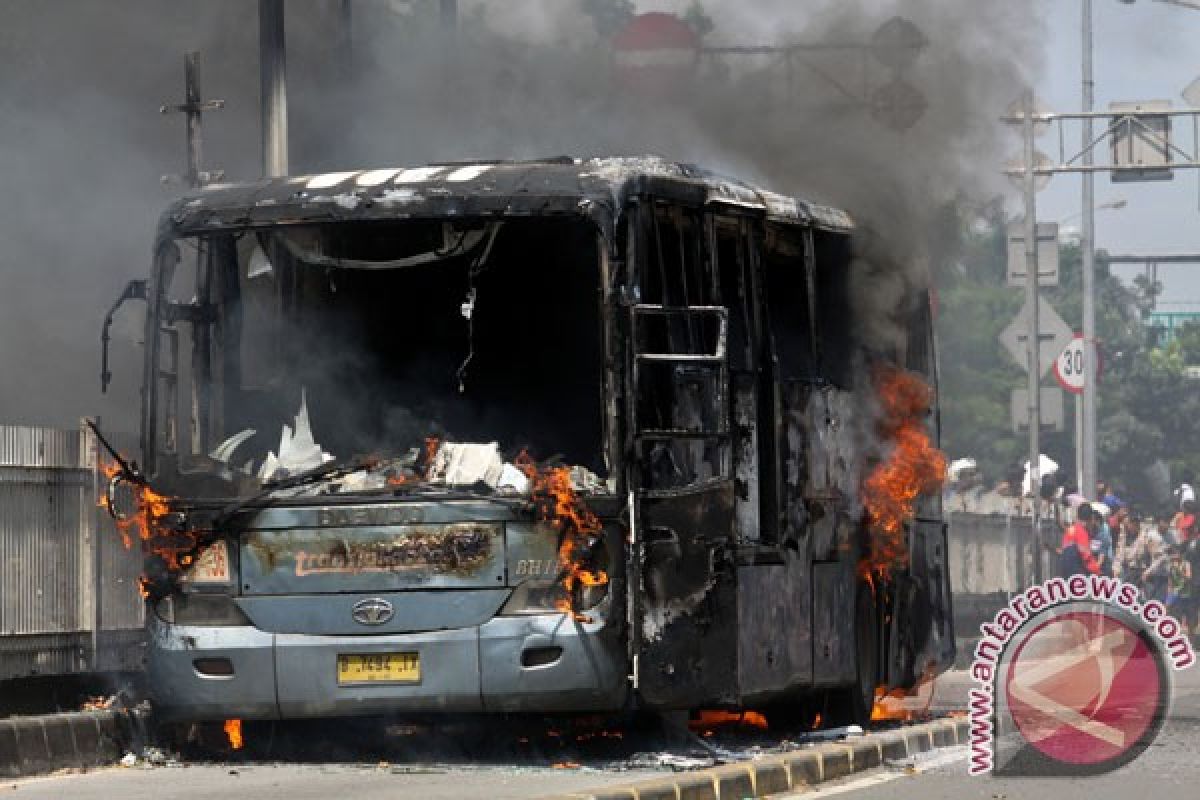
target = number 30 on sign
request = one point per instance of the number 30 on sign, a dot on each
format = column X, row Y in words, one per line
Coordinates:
column 1069, row 368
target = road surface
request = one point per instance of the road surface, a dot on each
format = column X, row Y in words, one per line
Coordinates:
column 1169, row 770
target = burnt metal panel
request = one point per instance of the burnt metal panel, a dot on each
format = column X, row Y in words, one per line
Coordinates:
column 795, row 466
column 775, row 636
column 460, row 555
column 688, row 609
column 597, row 187
column 921, row 630
column 833, row 471
column 746, row 462
column 833, row 588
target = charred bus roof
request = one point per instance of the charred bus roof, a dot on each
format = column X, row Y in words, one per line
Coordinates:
column 597, row 188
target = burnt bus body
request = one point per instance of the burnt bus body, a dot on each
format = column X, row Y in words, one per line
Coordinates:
column 682, row 336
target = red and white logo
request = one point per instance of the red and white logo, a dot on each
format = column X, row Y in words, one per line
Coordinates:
column 656, row 54
column 1086, row 689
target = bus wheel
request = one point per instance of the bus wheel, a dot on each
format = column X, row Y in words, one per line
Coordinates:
column 852, row 705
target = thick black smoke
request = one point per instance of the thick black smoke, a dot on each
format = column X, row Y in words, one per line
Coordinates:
column 82, row 146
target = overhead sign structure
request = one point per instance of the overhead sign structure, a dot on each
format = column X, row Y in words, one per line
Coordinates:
column 1141, row 138
column 1069, row 368
column 1016, row 169
column 1192, row 93
column 1047, row 252
column 1053, row 336
column 1050, row 409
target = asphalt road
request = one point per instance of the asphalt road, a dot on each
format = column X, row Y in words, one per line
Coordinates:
column 1169, row 769
column 310, row 782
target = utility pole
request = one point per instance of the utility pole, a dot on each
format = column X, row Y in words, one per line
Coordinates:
column 1086, row 446
column 1033, row 337
column 273, row 87
column 193, row 109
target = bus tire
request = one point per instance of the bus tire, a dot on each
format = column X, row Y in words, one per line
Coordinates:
column 852, row 705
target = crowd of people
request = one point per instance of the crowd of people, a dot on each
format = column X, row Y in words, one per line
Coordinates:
column 1160, row 554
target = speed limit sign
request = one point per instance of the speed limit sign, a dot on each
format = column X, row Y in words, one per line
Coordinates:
column 1069, row 367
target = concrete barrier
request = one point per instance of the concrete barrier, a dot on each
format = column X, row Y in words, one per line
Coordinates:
column 36, row 745
column 794, row 771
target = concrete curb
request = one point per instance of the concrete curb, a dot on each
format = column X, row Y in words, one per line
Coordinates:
column 36, row 745
column 793, row 771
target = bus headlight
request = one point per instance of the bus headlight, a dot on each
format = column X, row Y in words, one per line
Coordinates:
column 533, row 597
column 546, row 597
column 216, row 610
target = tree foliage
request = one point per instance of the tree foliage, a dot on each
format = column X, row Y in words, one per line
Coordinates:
column 1148, row 405
column 698, row 19
column 609, row 16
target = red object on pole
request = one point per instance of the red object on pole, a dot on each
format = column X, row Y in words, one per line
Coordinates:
column 656, row 53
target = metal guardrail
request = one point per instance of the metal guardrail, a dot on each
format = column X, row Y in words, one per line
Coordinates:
column 991, row 557
column 68, row 588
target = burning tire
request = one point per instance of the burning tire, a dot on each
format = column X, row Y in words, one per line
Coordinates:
column 852, row 705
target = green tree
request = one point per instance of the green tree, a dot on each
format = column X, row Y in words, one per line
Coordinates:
column 609, row 16
column 1148, row 404
column 974, row 306
column 698, row 19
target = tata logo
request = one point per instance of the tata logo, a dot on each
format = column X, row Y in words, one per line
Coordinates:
column 374, row 611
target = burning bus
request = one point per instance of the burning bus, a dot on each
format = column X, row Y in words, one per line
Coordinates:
column 553, row 436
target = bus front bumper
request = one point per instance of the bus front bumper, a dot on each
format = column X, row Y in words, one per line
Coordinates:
column 542, row 663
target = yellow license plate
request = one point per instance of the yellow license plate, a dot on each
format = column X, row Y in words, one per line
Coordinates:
column 378, row 668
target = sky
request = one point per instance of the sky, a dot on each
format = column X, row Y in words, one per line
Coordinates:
column 1144, row 51
column 56, row 280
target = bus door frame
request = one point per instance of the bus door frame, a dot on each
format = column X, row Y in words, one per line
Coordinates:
column 682, row 587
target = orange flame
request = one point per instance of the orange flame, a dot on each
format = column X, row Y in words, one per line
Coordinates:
column 233, row 731
column 707, row 720
column 905, row 705
column 432, row 445
column 559, row 503
column 912, row 468
column 148, row 524
column 152, row 508
column 98, row 703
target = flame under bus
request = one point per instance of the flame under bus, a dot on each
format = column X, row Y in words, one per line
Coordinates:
column 677, row 343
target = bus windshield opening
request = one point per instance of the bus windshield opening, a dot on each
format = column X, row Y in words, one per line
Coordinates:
column 378, row 337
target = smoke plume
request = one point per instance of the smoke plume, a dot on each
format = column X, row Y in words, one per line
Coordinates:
column 82, row 146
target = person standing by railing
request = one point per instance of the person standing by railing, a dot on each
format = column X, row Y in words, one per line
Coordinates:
column 1179, row 588
column 1154, row 577
column 1075, row 554
column 1130, row 550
